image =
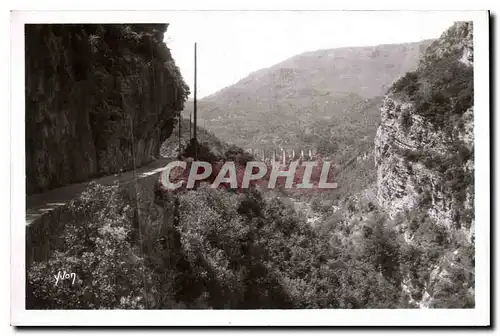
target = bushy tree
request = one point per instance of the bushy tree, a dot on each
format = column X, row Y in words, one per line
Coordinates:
column 96, row 247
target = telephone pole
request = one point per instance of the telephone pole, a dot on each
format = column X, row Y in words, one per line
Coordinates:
column 190, row 127
column 180, row 145
column 195, row 115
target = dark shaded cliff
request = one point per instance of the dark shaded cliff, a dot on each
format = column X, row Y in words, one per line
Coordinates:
column 96, row 96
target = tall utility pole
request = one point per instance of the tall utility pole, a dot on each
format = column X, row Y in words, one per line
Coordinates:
column 190, row 127
column 180, row 145
column 195, row 115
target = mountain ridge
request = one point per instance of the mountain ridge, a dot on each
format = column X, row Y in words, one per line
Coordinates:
column 266, row 108
column 258, row 73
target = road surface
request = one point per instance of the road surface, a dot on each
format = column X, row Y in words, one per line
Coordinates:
column 38, row 204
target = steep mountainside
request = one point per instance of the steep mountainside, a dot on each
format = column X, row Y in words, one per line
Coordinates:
column 405, row 241
column 424, row 146
column 419, row 210
column 267, row 108
column 96, row 96
column 425, row 169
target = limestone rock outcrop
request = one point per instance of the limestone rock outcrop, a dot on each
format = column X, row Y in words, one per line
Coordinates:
column 99, row 98
column 424, row 145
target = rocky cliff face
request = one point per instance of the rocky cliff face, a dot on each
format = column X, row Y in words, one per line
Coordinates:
column 424, row 145
column 99, row 98
column 424, row 154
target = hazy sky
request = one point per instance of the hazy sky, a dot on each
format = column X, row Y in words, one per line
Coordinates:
column 231, row 45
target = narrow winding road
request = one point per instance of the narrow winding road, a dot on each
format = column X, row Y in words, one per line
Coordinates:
column 38, row 204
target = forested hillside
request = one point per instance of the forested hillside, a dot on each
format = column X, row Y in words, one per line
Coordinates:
column 325, row 100
column 276, row 106
column 398, row 233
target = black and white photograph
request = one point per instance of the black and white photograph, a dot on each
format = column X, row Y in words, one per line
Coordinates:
column 276, row 163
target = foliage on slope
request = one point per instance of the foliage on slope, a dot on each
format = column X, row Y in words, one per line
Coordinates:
column 441, row 93
column 431, row 266
column 266, row 109
column 442, row 88
column 223, row 250
column 425, row 168
column 96, row 246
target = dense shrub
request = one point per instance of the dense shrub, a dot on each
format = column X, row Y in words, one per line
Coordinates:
column 408, row 84
column 441, row 87
column 252, row 253
column 230, row 250
column 96, row 247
